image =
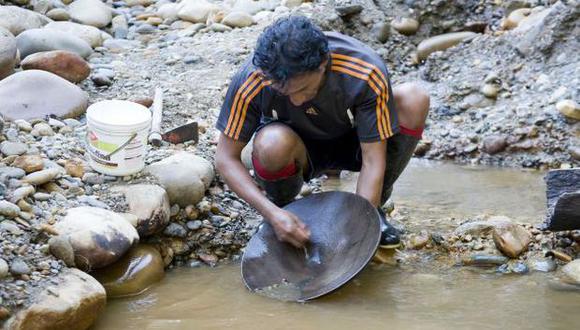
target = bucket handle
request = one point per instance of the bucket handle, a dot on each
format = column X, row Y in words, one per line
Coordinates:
column 131, row 138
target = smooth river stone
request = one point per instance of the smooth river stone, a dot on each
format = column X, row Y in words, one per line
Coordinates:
column 197, row 11
column 98, row 237
column 91, row 12
column 134, row 273
column 7, row 53
column 441, row 42
column 42, row 40
column 33, row 94
column 238, row 20
column 67, row 65
column 90, row 34
column 17, row 20
column 405, row 25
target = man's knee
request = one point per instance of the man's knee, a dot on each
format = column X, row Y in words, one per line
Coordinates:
column 412, row 103
column 276, row 146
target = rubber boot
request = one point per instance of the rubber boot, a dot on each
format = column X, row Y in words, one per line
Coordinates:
column 400, row 149
column 282, row 191
column 390, row 236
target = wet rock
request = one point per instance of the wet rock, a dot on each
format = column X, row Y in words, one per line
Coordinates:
column 16, row 19
column 99, row 237
column 67, row 65
column 120, row 27
column 74, row 303
column 61, row 248
column 3, row 268
column 58, row 14
column 89, row 34
column 406, row 26
column 141, row 267
column 480, row 228
column 571, row 272
column 543, row 265
column 91, row 12
column 442, row 42
column 563, row 199
column 238, row 20
column 34, row 94
column 19, row 267
column 569, row 109
column 515, row 18
column 511, row 239
column 382, row 31
column 417, row 242
column 197, row 11
column 42, row 177
column 494, row 144
column 10, row 148
column 184, row 176
column 42, row 40
column 150, row 204
column 175, row 230
column 7, row 53
column 483, row 260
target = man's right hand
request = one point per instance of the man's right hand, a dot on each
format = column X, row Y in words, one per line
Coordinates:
column 289, row 228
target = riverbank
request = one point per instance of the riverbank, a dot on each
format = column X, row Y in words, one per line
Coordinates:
column 519, row 126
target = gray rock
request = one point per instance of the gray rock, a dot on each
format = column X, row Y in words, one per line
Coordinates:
column 42, row 40
column 3, row 268
column 98, row 237
column 348, row 9
column 35, row 94
column 121, row 44
column 150, row 204
column 93, row 178
column 175, row 230
column 61, row 248
column 89, row 34
column 16, row 19
column 543, row 265
column 494, row 144
column 10, row 227
column 91, row 12
column 7, row 53
column 184, row 176
column 10, row 148
column 145, row 29
column 194, row 225
column 99, row 79
column 120, row 27
column 238, row 20
column 12, row 172
column 382, row 31
column 19, row 267
column 563, row 199
column 571, row 272
column 42, row 129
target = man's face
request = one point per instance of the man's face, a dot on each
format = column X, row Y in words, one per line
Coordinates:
column 304, row 86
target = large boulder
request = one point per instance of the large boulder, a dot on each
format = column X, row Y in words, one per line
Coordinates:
column 34, row 94
column 98, row 237
column 74, row 303
column 17, row 20
column 42, row 40
column 441, row 42
column 150, row 204
column 134, row 273
column 91, row 12
column 67, row 65
column 197, row 11
column 90, row 34
column 184, row 176
column 563, row 198
column 7, row 53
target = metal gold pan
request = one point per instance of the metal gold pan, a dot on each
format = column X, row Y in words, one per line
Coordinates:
column 345, row 233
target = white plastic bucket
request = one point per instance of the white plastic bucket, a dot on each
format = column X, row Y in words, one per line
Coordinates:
column 117, row 134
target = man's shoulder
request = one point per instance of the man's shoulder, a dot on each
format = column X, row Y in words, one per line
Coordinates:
column 348, row 48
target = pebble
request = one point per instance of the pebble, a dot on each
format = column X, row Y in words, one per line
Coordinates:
column 8, row 209
column 348, row 9
column 382, row 31
column 29, row 163
column 145, row 29
column 41, row 197
column 494, row 144
column 490, row 90
column 194, row 225
column 12, row 172
column 23, row 125
column 41, row 177
column 19, row 267
column 569, row 109
column 22, row 193
column 100, row 79
column 93, row 178
column 3, row 268
column 175, row 230
column 546, row 265
column 406, row 26
column 9, row 148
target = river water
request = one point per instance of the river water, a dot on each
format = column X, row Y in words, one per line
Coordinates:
column 423, row 296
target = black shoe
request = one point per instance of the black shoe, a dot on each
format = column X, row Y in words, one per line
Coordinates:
column 390, row 236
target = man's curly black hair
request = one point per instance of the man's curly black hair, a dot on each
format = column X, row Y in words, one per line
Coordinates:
column 290, row 46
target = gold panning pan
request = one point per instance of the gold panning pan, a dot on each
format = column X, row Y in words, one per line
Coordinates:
column 345, row 233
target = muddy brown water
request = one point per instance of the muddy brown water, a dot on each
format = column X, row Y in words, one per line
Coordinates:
column 421, row 296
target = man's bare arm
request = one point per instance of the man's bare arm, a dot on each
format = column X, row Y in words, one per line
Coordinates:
column 228, row 162
column 370, row 180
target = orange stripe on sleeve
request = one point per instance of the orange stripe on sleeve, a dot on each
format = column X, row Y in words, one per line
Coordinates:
column 380, row 123
column 237, row 122
column 247, row 104
column 234, row 106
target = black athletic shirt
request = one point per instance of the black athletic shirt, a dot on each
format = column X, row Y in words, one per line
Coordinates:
column 356, row 94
